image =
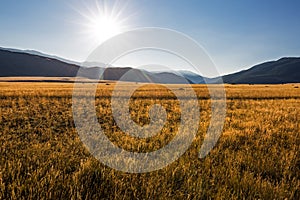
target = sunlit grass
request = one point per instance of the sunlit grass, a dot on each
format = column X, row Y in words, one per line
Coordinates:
column 257, row 157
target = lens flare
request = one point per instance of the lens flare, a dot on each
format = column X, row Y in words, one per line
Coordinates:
column 102, row 20
column 103, row 28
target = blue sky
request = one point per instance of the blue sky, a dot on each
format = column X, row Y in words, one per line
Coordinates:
column 236, row 34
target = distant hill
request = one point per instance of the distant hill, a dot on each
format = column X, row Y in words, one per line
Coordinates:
column 193, row 77
column 15, row 63
column 37, row 53
column 137, row 75
column 30, row 63
column 284, row 70
column 25, row 64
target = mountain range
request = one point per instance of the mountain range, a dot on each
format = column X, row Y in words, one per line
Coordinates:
column 28, row 63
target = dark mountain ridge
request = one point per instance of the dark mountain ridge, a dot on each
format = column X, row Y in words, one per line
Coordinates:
column 284, row 70
column 25, row 64
column 14, row 63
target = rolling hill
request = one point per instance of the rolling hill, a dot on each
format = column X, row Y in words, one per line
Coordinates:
column 28, row 63
column 25, row 64
column 284, row 70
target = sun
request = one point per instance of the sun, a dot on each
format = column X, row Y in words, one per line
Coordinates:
column 103, row 28
column 101, row 22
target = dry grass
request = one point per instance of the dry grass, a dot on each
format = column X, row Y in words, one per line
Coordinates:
column 257, row 157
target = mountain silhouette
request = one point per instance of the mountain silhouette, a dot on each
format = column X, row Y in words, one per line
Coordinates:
column 25, row 64
column 284, row 70
column 15, row 63
column 37, row 53
column 28, row 63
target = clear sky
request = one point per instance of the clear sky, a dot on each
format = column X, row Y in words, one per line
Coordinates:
column 236, row 34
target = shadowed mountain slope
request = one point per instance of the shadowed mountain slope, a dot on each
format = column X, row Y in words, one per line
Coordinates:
column 284, row 70
column 15, row 63
column 24, row 64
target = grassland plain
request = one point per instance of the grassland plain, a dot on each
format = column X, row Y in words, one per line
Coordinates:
column 257, row 156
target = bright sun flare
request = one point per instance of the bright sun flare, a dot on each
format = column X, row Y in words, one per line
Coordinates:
column 103, row 21
column 104, row 27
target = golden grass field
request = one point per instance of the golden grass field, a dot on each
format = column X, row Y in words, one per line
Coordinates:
column 257, row 156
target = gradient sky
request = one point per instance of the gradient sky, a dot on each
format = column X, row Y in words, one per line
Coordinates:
column 236, row 34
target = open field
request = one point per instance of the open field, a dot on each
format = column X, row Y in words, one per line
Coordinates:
column 257, row 156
